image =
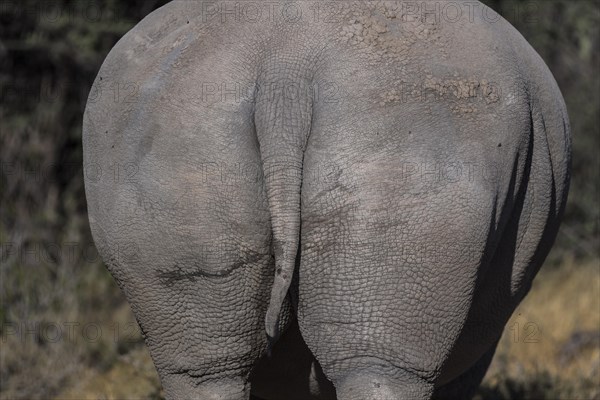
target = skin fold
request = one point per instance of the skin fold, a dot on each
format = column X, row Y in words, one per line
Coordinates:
column 314, row 200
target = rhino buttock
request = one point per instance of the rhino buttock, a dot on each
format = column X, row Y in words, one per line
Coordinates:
column 192, row 271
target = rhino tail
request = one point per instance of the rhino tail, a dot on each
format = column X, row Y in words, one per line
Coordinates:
column 282, row 129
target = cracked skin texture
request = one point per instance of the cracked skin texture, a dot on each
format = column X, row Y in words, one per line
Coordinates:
column 424, row 215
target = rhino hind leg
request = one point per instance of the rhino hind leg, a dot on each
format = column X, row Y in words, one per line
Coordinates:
column 182, row 387
column 465, row 385
column 359, row 386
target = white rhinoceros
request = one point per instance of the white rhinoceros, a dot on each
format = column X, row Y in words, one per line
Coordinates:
column 373, row 185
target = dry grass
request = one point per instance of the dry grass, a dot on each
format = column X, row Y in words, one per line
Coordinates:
column 132, row 377
column 551, row 346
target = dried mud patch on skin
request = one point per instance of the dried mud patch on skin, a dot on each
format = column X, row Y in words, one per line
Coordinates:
column 464, row 95
column 386, row 31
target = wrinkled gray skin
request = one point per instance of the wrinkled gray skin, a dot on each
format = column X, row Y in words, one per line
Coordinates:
column 426, row 163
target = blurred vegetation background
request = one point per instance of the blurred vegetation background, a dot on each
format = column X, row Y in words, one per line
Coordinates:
column 66, row 330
